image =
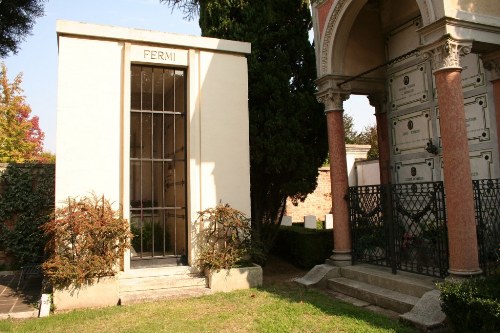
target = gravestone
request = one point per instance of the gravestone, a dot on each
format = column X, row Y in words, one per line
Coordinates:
column 286, row 221
column 328, row 221
column 310, row 222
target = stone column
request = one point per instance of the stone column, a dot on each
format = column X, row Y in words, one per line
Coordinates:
column 338, row 174
column 462, row 239
column 378, row 102
column 492, row 63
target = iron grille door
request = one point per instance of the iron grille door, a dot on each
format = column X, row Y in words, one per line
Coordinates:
column 158, row 162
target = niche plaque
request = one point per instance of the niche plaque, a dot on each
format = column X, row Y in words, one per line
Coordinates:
column 418, row 170
column 411, row 132
column 477, row 119
column 408, row 88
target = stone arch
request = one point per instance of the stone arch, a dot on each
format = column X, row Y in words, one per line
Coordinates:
column 339, row 23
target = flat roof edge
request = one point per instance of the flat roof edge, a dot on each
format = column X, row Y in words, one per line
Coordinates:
column 64, row 27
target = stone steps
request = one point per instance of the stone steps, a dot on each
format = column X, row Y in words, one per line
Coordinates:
column 151, row 284
column 385, row 298
column 402, row 282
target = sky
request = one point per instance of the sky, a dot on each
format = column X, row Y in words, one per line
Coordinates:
column 37, row 57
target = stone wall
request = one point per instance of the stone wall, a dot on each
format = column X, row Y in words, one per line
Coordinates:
column 317, row 203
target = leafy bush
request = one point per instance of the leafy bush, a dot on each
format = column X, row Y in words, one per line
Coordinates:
column 86, row 238
column 304, row 248
column 472, row 305
column 224, row 238
column 26, row 203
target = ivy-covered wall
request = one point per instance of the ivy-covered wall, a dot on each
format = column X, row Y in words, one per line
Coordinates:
column 26, row 202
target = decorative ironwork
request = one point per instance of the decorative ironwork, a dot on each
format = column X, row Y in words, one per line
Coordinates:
column 419, row 226
column 401, row 226
column 487, row 204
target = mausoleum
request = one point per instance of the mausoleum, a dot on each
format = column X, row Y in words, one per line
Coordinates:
column 156, row 122
column 431, row 69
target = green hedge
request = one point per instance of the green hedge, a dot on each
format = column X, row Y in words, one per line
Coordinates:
column 304, row 248
column 472, row 305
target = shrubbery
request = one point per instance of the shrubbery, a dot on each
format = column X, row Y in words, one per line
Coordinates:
column 26, row 203
column 472, row 305
column 304, row 248
column 86, row 239
column 225, row 239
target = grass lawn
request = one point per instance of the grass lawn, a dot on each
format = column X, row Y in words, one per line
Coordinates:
column 276, row 308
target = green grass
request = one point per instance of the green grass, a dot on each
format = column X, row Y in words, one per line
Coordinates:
column 283, row 308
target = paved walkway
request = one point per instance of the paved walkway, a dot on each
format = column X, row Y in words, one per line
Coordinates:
column 19, row 303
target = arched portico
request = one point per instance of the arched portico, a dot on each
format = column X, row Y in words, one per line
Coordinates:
column 423, row 71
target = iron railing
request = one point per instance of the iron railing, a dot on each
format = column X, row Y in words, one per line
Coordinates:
column 487, row 204
column 401, row 226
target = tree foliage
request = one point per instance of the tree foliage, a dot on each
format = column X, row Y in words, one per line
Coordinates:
column 366, row 137
column 17, row 18
column 288, row 140
column 21, row 138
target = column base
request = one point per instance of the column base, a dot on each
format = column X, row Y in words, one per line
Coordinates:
column 340, row 259
column 462, row 275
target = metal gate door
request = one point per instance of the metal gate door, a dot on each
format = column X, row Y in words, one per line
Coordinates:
column 401, row 226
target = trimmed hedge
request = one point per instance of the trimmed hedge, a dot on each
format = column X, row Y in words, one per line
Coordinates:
column 304, row 248
column 472, row 305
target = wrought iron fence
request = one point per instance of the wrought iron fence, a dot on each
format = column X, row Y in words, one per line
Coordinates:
column 487, row 204
column 402, row 226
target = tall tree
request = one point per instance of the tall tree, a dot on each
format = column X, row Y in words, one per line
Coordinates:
column 21, row 138
column 288, row 140
column 17, row 18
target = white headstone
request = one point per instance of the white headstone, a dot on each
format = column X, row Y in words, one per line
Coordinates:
column 328, row 221
column 286, row 221
column 310, row 222
column 44, row 306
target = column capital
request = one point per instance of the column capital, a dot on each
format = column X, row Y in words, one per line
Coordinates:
column 333, row 100
column 446, row 53
column 378, row 101
column 491, row 62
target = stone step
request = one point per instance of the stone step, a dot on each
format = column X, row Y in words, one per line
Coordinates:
column 132, row 297
column 386, row 298
column 403, row 282
column 161, row 282
column 156, row 271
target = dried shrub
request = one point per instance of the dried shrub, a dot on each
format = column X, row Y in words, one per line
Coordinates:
column 86, row 238
column 225, row 238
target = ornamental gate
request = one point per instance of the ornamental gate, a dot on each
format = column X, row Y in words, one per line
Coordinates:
column 401, row 226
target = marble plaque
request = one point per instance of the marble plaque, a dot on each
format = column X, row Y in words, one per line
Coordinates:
column 403, row 40
column 409, row 87
column 411, row 132
column 418, row 170
column 477, row 119
column 158, row 55
column 472, row 72
column 481, row 164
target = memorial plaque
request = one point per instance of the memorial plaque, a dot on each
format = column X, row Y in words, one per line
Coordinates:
column 477, row 119
column 418, row 170
column 472, row 72
column 411, row 132
column 481, row 164
column 402, row 40
column 409, row 87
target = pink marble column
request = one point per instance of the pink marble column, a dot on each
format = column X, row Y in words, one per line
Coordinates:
column 383, row 138
column 339, row 181
column 462, row 239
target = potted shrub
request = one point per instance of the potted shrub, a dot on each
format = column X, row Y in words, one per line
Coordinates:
column 86, row 240
column 226, row 249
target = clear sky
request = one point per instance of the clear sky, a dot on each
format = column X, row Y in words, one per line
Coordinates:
column 37, row 58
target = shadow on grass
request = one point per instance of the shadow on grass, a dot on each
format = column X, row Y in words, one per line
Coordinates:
column 293, row 293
